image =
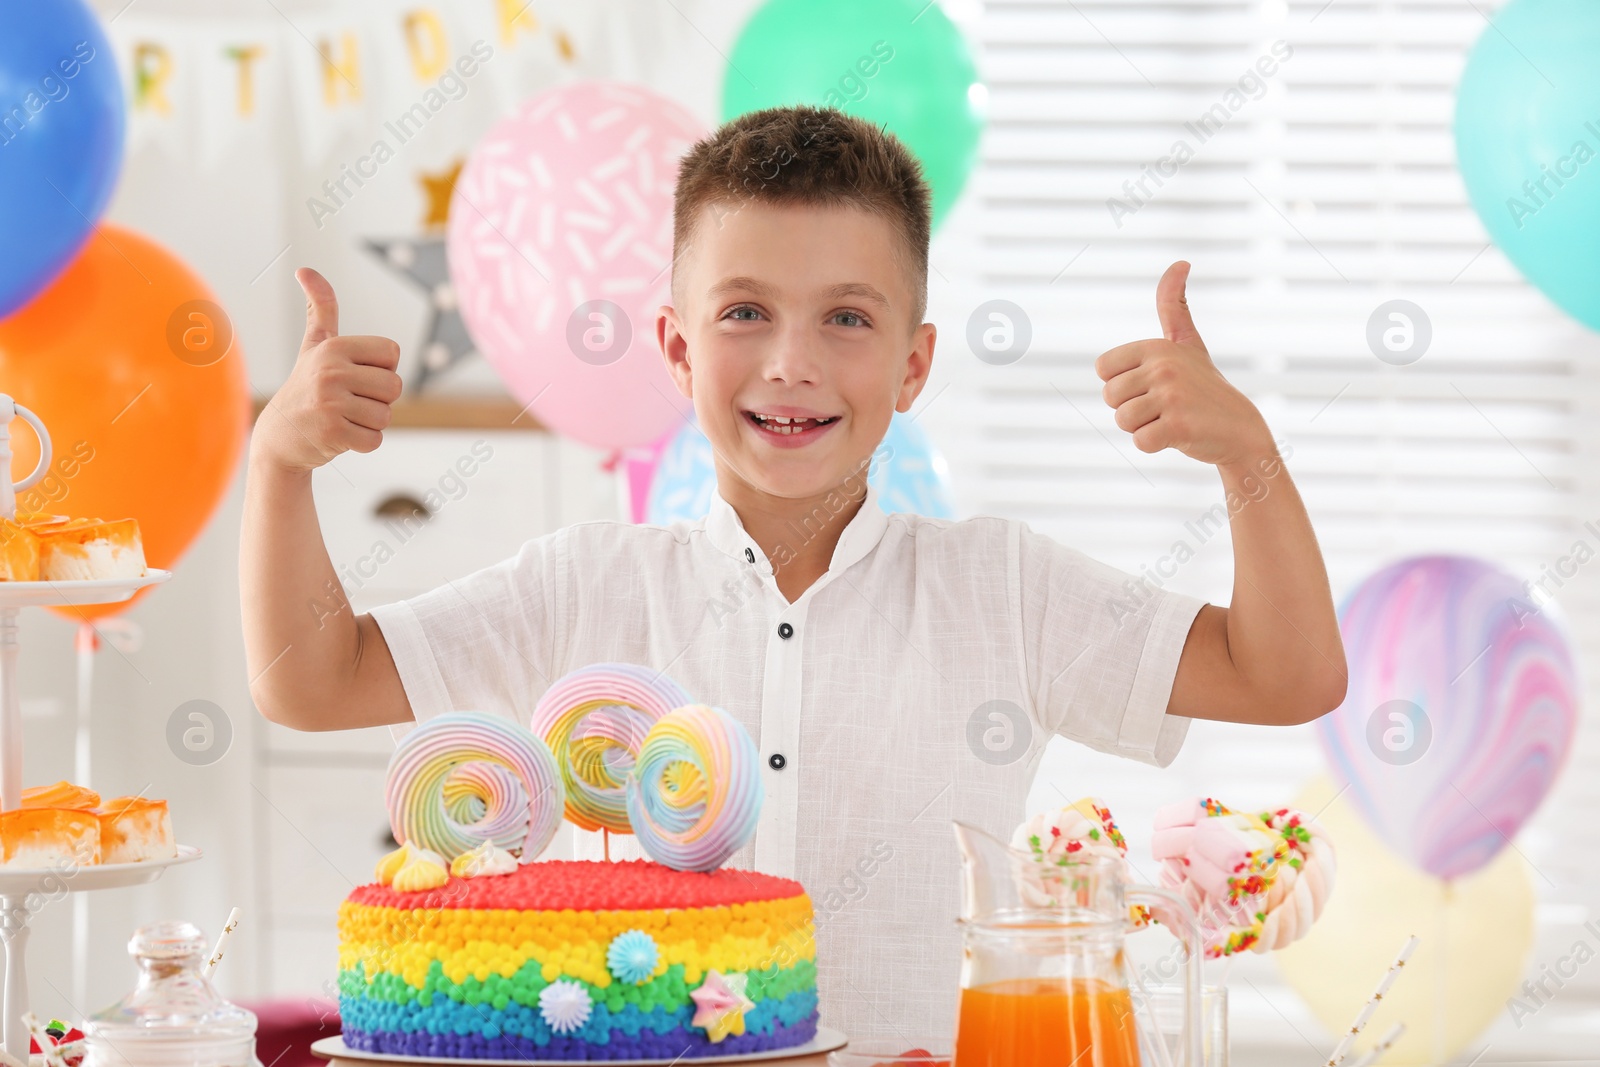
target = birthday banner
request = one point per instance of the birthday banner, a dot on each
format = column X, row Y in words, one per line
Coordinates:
column 207, row 88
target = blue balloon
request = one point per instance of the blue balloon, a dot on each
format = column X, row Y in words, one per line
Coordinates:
column 61, row 127
column 908, row 472
column 1527, row 131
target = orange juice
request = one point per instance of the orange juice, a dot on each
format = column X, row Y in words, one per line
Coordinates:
column 1045, row 1022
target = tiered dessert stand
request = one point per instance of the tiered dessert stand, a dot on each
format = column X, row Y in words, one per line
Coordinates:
column 17, row 885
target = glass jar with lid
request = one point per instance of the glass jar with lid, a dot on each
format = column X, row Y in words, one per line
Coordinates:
column 174, row 1017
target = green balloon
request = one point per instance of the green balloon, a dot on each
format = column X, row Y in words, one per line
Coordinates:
column 898, row 63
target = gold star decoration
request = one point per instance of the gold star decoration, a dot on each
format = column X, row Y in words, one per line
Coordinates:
column 438, row 189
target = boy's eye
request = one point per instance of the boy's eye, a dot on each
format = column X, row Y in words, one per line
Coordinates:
column 742, row 307
column 858, row 320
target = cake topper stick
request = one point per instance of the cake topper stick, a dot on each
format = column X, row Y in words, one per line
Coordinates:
column 605, row 839
column 222, row 942
column 1343, row 1048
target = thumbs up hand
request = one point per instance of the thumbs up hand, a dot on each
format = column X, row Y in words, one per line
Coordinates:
column 1169, row 394
column 338, row 395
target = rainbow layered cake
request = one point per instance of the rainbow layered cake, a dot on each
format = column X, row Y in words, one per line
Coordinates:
column 575, row 960
column 470, row 947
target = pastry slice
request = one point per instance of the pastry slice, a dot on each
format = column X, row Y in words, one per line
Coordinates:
column 49, row 837
column 133, row 830
column 61, row 795
column 19, row 553
column 85, row 549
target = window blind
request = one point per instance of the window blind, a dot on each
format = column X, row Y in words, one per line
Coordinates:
column 1126, row 134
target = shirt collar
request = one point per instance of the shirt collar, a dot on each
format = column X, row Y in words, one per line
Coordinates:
column 726, row 531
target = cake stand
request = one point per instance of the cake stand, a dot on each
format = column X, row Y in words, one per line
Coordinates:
column 18, row 885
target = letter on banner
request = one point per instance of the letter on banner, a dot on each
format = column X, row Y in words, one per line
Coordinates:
column 152, row 69
column 425, row 38
column 341, row 75
column 514, row 15
column 246, row 57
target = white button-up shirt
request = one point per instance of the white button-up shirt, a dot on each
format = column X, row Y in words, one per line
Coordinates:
column 915, row 682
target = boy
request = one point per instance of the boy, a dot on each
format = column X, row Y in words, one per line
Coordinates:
column 895, row 671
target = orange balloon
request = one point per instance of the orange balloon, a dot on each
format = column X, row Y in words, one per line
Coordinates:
column 133, row 366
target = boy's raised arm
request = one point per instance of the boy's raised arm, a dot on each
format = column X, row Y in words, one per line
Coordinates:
column 314, row 665
column 1274, row 656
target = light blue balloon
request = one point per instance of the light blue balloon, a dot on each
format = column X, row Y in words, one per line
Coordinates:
column 911, row 476
column 1528, row 107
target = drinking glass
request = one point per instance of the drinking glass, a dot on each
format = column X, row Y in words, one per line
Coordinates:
column 1159, row 1009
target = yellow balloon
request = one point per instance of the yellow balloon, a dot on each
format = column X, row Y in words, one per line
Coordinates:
column 1475, row 935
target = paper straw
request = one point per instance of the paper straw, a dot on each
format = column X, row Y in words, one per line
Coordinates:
column 1375, row 1053
column 1343, row 1049
column 222, row 942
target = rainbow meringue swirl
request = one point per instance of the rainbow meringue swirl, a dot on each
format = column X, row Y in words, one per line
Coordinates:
column 695, row 795
column 595, row 719
column 468, row 777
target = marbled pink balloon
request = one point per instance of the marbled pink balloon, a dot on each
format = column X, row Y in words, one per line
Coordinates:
column 1494, row 678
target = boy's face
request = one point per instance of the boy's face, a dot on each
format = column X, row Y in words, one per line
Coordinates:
column 794, row 311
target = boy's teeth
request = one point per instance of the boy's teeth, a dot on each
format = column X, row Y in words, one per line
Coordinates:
column 785, row 424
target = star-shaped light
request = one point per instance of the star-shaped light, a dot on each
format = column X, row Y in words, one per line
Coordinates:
column 720, row 1005
column 421, row 260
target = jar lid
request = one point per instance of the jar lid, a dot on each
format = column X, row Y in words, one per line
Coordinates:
column 173, row 1000
column 173, row 939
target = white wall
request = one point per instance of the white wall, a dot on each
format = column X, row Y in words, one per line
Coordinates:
column 231, row 226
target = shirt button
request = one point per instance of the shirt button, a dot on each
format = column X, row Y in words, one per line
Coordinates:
column 749, row 555
column 776, row 761
column 785, row 631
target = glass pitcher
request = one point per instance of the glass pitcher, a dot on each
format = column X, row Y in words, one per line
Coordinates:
column 1044, row 975
column 174, row 1018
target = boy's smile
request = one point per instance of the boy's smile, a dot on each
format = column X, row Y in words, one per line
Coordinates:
column 791, row 427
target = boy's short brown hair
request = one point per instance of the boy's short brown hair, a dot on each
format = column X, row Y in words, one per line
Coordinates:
column 809, row 155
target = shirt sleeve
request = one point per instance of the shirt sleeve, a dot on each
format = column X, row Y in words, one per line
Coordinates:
column 1101, row 649
column 487, row 641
